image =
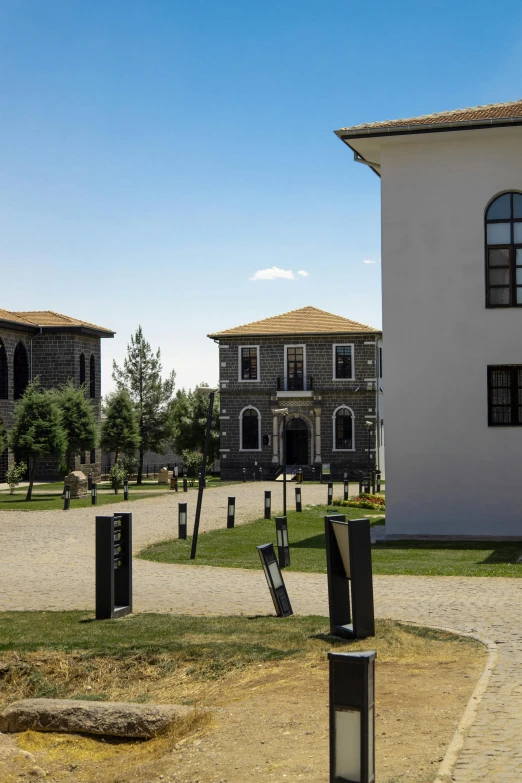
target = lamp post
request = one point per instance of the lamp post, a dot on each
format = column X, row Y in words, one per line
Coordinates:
column 284, row 413
column 211, row 393
column 369, row 427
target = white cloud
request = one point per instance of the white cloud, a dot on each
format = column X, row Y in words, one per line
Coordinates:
column 369, row 261
column 273, row 274
column 302, row 273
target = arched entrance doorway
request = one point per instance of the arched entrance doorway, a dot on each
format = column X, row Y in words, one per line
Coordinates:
column 297, row 442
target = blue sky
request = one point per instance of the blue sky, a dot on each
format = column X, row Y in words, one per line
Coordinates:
column 157, row 154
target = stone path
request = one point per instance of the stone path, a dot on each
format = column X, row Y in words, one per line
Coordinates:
column 46, row 562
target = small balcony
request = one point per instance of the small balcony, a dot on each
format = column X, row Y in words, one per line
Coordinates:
column 295, row 386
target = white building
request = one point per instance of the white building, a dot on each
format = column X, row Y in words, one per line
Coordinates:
column 452, row 318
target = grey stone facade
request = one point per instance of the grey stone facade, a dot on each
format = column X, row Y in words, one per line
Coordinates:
column 315, row 405
column 53, row 356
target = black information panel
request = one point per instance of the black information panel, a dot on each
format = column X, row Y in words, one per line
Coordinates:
column 349, row 565
column 275, row 581
column 113, row 566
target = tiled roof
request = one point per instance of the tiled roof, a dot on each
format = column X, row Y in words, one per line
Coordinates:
column 476, row 114
column 306, row 320
column 47, row 318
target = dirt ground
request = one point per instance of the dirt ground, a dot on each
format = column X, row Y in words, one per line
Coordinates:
column 268, row 722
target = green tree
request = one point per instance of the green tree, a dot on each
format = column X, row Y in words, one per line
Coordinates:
column 78, row 422
column 189, row 422
column 150, row 393
column 193, row 461
column 119, row 431
column 37, row 432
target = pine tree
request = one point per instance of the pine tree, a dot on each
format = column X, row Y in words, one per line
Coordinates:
column 149, row 392
column 189, row 416
column 78, row 422
column 38, row 432
column 120, row 432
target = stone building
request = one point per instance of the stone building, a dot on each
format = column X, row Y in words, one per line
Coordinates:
column 325, row 369
column 54, row 348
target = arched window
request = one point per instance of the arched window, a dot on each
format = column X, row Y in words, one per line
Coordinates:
column 4, row 373
column 20, row 371
column 504, row 251
column 343, row 429
column 92, row 377
column 82, row 369
column 250, row 426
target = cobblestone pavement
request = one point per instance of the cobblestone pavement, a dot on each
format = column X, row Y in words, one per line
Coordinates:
column 46, row 562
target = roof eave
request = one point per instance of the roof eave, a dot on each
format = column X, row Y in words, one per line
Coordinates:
column 93, row 332
column 292, row 334
column 24, row 327
column 431, row 127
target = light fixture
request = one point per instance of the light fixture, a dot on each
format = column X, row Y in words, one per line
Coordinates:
column 231, row 512
column 113, row 566
column 182, row 520
column 94, row 493
column 349, row 565
column 346, row 486
column 268, row 504
column 244, row 475
column 274, row 580
column 283, row 547
column 185, row 483
column 67, row 497
column 330, row 493
column 126, row 489
column 298, row 506
column 352, row 717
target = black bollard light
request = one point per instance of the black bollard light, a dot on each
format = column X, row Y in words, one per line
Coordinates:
column 268, row 504
column 275, row 581
column 94, row 493
column 182, row 520
column 330, row 493
column 360, row 486
column 283, row 547
column 185, row 484
column 176, row 487
column 244, row 474
column 260, row 473
column 345, row 490
column 126, row 489
column 89, row 482
column 352, row 717
column 67, row 498
column 231, row 513
column 298, row 506
column 378, row 480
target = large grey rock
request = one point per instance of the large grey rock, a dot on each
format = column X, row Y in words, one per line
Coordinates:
column 115, row 718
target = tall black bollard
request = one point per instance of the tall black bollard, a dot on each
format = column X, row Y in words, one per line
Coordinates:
column 185, row 484
column 330, row 493
column 182, row 520
column 298, row 506
column 345, row 496
column 113, row 566
column 67, row 498
column 126, row 489
column 244, row 475
column 94, row 493
column 231, row 512
column 268, row 504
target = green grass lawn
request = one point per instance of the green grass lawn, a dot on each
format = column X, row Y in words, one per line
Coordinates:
column 237, row 549
column 50, row 502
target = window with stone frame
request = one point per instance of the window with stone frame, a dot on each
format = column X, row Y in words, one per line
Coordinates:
column 343, row 362
column 249, row 362
column 83, row 459
column 343, row 429
column 250, row 430
column 93, row 456
column 505, row 395
column 504, row 251
column 92, row 377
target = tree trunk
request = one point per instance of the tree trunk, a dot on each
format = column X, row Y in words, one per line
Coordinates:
column 31, row 479
column 140, row 467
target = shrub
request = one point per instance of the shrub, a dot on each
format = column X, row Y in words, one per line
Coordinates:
column 116, row 477
column 363, row 501
column 15, row 475
column 193, row 460
column 129, row 465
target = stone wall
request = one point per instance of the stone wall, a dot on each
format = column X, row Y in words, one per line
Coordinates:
column 316, row 404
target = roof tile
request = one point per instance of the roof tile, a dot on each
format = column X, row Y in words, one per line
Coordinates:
column 490, row 111
column 306, row 320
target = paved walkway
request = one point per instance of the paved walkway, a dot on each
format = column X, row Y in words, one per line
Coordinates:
column 46, row 562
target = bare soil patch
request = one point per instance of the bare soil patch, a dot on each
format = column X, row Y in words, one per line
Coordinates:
column 269, row 720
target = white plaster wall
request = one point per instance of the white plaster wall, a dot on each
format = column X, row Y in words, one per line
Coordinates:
column 447, row 472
